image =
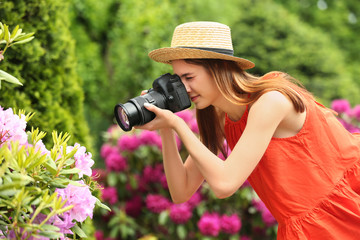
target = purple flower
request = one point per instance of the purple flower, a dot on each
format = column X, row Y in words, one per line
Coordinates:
column 128, row 142
column 81, row 199
column 180, row 213
column 109, row 194
column 115, row 162
column 156, row 203
column 209, row 224
column 83, row 160
column 230, row 224
column 341, row 105
column 133, row 206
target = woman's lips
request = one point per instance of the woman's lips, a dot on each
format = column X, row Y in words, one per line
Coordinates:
column 194, row 98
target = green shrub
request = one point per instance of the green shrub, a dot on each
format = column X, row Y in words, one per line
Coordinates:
column 275, row 39
column 46, row 67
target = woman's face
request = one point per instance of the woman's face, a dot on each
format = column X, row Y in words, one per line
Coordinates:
column 199, row 84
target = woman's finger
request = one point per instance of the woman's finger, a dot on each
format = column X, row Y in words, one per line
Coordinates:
column 143, row 92
column 150, row 107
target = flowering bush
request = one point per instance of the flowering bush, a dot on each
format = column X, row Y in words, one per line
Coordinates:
column 134, row 185
column 348, row 116
column 43, row 193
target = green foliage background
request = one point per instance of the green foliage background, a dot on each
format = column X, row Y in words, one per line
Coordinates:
column 46, row 67
column 89, row 55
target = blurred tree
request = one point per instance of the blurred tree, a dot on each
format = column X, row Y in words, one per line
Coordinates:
column 340, row 21
column 45, row 66
column 276, row 39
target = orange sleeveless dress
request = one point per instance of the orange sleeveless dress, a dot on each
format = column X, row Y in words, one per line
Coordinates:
column 310, row 182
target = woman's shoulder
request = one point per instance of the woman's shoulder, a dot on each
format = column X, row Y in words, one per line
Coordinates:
column 272, row 99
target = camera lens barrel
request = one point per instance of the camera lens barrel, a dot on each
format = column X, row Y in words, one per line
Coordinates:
column 134, row 113
column 168, row 92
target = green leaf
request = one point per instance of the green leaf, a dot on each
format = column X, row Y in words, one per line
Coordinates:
column 9, row 78
column 14, row 32
column 100, row 204
column 59, row 182
column 181, row 231
column 24, row 37
column 70, row 171
column 79, row 231
column 49, row 227
column 163, row 217
column 50, row 234
column 23, row 41
column 51, row 166
column 6, row 33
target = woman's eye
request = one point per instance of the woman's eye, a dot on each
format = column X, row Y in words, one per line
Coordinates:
column 189, row 78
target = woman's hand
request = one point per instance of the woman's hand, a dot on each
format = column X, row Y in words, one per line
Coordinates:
column 164, row 118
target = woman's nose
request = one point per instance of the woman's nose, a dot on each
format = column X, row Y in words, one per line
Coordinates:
column 187, row 87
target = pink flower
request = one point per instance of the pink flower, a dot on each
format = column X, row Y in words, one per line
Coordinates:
column 99, row 235
column 83, row 160
column 195, row 199
column 230, row 224
column 355, row 112
column 12, row 127
column 153, row 174
column 209, row 224
column 163, row 181
column 244, row 238
column 180, row 213
column 40, row 146
column 109, row 194
column 194, row 126
column 99, row 175
column 186, row 115
column 128, row 142
column 115, row 162
column 106, row 150
column 268, row 218
column 156, row 203
column 133, row 206
column 150, row 138
column 81, row 199
column 341, row 105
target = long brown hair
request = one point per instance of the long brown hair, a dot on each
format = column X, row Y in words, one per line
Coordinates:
column 233, row 83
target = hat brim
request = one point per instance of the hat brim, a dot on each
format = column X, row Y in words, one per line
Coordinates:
column 166, row 55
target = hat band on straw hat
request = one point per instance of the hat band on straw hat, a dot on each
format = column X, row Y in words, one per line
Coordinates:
column 217, row 50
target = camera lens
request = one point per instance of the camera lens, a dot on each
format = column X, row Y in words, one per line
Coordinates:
column 134, row 113
column 124, row 118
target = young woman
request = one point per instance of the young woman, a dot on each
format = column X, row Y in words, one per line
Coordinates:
column 297, row 156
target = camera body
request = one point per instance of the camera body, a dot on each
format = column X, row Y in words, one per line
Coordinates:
column 167, row 92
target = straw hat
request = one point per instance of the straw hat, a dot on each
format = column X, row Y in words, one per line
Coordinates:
column 201, row 40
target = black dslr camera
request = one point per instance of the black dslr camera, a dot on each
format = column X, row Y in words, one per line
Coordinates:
column 168, row 92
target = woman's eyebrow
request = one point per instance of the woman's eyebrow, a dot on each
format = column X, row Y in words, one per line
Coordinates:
column 185, row 75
